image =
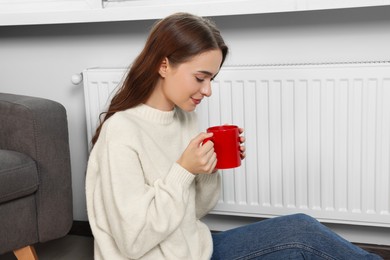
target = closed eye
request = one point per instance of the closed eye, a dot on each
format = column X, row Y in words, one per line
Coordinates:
column 199, row 79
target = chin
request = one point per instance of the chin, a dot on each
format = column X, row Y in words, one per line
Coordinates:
column 187, row 108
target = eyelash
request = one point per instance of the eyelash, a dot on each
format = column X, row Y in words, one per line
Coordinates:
column 201, row 80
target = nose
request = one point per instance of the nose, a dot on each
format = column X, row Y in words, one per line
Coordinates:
column 206, row 89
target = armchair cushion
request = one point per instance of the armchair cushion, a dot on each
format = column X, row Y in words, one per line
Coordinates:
column 18, row 175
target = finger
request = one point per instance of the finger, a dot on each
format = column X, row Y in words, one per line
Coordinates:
column 198, row 140
column 242, row 148
column 243, row 155
column 213, row 163
column 241, row 130
column 213, row 167
column 207, row 147
column 213, row 158
column 242, row 139
column 210, row 153
column 207, row 163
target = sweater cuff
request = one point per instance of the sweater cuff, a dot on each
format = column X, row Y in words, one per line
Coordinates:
column 179, row 175
column 207, row 178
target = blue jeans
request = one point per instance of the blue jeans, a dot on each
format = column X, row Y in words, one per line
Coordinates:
column 295, row 236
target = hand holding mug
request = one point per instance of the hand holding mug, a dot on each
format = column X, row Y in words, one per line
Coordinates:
column 198, row 158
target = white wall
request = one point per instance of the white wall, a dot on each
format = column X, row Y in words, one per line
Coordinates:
column 40, row 60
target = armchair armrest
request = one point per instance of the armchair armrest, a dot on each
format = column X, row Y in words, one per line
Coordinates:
column 38, row 128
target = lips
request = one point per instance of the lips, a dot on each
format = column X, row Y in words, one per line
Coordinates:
column 196, row 101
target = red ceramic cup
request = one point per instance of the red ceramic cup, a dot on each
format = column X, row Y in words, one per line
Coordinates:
column 226, row 139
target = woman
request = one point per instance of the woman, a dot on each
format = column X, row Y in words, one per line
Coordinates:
column 150, row 179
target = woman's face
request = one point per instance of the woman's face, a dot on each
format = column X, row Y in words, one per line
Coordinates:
column 186, row 84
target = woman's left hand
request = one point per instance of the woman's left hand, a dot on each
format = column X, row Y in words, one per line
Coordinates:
column 242, row 140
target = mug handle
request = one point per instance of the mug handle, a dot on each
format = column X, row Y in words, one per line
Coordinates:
column 207, row 139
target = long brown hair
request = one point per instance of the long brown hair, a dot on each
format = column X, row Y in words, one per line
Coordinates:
column 178, row 37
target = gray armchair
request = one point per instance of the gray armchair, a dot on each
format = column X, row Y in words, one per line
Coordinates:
column 35, row 174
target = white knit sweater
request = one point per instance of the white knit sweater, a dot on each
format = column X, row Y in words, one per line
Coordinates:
column 141, row 203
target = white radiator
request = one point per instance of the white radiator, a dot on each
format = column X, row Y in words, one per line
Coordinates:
column 99, row 87
column 318, row 138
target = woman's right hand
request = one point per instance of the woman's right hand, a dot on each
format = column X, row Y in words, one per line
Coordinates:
column 198, row 157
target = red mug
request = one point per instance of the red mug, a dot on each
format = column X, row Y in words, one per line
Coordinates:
column 226, row 139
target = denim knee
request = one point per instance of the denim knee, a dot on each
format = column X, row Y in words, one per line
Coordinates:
column 299, row 219
column 302, row 217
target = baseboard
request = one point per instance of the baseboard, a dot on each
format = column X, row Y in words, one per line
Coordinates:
column 82, row 228
column 383, row 251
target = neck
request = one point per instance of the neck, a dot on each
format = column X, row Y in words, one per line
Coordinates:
column 158, row 100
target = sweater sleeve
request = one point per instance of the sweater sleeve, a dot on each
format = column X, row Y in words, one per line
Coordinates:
column 208, row 188
column 140, row 215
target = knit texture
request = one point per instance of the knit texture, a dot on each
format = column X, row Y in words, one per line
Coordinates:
column 141, row 203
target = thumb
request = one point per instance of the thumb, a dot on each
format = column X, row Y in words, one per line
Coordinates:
column 200, row 138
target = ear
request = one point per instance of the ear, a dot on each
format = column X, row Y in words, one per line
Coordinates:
column 163, row 67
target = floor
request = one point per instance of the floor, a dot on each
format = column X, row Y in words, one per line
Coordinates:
column 76, row 247
column 71, row 247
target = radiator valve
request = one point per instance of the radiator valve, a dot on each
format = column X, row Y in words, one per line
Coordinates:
column 77, row 78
